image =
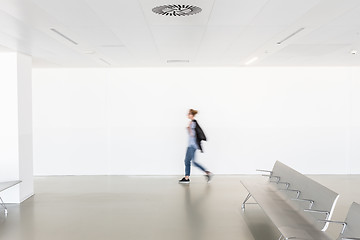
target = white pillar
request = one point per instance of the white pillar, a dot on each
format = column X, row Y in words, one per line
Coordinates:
column 16, row 150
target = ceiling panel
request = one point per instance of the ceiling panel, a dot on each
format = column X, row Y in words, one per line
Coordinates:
column 70, row 13
column 115, row 13
column 17, row 36
column 250, row 40
column 310, row 49
column 13, row 27
column 275, row 60
column 335, row 58
column 283, row 12
column 331, row 34
column 96, row 36
column 351, row 37
column 230, row 12
column 350, row 18
column 327, row 11
column 177, row 42
column 216, row 41
column 139, row 42
column 181, row 36
column 28, row 13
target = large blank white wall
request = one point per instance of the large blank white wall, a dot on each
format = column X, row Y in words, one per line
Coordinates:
column 132, row 121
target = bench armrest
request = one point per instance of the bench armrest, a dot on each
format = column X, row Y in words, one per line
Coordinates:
column 318, row 211
column 337, row 222
column 304, row 200
column 265, row 171
column 293, row 190
column 285, row 183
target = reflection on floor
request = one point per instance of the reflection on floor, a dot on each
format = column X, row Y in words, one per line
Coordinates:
column 146, row 208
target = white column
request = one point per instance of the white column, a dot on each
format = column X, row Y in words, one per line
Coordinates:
column 16, row 150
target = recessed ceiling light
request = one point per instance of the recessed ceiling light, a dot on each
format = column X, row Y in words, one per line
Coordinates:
column 63, row 35
column 176, row 10
column 354, row 52
column 178, row 61
column 290, row 36
column 251, row 60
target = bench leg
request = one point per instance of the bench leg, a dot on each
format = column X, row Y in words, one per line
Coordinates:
column 246, row 199
column 4, row 206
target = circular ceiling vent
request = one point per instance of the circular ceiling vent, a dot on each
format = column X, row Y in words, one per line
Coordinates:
column 176, row 10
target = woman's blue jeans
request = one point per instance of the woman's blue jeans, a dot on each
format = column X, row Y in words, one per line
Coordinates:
column 190, row 155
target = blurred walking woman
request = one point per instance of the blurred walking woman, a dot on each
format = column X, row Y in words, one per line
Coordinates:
column 196, row 135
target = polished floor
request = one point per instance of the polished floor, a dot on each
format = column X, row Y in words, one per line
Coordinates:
column 149, row 207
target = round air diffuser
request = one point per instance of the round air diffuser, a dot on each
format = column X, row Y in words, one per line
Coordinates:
column 176, row 10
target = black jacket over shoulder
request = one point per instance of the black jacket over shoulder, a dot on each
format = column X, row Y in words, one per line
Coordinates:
column 200, row 135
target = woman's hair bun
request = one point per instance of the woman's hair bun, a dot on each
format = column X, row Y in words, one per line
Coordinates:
column 193, row 112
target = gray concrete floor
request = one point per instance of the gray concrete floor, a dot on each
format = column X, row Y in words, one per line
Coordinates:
column 149, row 207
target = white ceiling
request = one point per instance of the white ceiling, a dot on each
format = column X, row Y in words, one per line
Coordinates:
column 120, row 33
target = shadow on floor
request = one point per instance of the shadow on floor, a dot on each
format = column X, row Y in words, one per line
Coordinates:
column 259, row 224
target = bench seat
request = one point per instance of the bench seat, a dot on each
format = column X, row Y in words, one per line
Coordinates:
column 4, row 186
column 290, row 222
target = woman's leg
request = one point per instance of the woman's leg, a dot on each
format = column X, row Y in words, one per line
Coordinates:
column 189, row 156
column 209, row 175
column 199, row 166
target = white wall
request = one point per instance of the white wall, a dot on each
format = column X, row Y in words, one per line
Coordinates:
column 16, row 156
column 25, row 126
column 9, row 164
column 132, row 121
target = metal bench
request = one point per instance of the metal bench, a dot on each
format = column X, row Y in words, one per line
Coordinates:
column 4, row 186
column 294, row 203
column 351, row 225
